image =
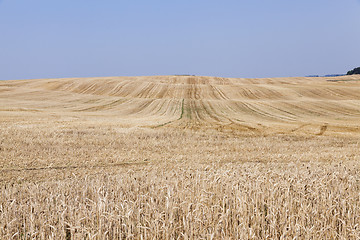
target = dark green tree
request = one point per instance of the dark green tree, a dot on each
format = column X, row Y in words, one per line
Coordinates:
column 354, row 71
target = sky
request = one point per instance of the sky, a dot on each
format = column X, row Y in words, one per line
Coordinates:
column 229, row 38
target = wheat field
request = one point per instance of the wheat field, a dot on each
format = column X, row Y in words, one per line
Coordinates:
column 180, row 157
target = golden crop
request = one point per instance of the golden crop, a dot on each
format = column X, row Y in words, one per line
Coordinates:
column 180, row 157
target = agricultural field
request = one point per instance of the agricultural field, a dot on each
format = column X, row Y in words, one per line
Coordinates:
column 180, row 157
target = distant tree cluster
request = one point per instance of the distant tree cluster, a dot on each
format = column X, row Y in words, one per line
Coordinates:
column 354, row 71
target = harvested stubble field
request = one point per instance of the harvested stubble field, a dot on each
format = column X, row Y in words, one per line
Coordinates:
column 180, row 157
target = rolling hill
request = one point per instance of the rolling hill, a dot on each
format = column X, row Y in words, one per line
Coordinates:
column 259, row 106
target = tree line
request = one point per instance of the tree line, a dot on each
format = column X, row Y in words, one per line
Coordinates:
column 354, row 71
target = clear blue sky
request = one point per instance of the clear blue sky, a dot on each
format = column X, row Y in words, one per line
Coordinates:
column 229, row 38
